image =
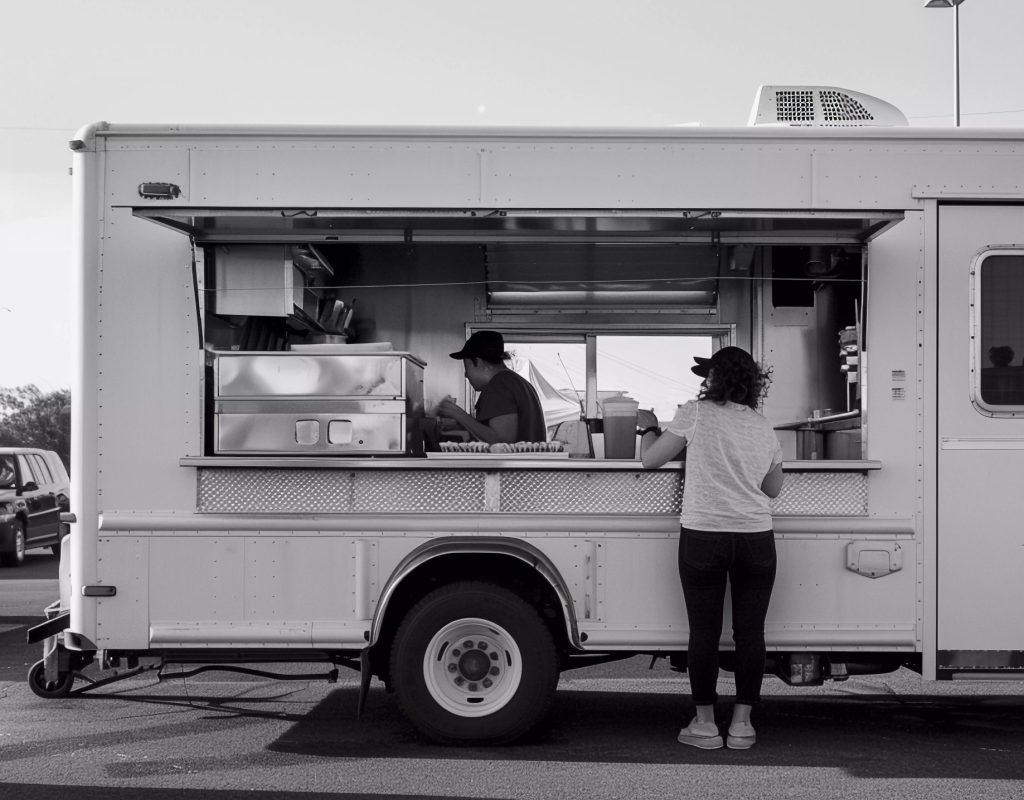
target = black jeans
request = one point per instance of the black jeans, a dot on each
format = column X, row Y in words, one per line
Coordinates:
column 705, row 560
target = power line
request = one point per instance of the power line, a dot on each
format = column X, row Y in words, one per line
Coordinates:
column 970, row 113
column 69, row 129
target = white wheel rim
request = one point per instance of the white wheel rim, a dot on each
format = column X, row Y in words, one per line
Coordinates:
column 477, row 680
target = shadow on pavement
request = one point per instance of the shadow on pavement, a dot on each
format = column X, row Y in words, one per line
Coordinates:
column 21, row 791
column 868, row 736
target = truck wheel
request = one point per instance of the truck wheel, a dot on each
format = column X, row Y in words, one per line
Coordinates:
column 48, row 691
column 474, row 663
column 15, row 557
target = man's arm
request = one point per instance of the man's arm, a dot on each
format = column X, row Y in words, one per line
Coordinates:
column 497, row 429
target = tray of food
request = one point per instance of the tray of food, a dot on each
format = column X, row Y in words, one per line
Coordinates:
column 501, row 450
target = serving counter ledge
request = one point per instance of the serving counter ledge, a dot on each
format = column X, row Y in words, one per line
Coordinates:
column 486, row 463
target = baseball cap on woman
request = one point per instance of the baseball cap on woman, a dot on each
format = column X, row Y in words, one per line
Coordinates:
column 704, row 366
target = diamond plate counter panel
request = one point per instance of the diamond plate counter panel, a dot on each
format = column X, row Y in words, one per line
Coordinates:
column 333, row 491
column 830, row 494
column 541, row 492
column 341, row 491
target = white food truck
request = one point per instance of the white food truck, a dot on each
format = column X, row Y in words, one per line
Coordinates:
column 251, row 481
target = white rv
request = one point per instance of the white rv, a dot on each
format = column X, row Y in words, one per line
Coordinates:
column 250, row 482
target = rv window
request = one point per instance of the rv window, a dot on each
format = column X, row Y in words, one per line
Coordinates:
column 1000, row 330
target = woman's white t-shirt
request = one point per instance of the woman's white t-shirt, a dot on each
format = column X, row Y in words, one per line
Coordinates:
column 729, row 449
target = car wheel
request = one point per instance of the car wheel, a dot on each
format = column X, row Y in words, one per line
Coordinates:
column 474, row 663
column 48, row 691
column 16, row 556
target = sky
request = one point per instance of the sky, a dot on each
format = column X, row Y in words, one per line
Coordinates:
column 66, row 63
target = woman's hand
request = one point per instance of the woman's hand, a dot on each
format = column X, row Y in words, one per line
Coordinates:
column 646, row 419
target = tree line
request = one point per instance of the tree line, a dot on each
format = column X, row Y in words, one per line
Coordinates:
column 32, row 418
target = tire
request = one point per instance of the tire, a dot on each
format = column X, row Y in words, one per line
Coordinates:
column 494, row 691
column 37, row 683
column 15, row 557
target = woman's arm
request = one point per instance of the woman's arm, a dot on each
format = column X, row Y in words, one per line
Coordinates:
column 772, row 483
column 656, row 450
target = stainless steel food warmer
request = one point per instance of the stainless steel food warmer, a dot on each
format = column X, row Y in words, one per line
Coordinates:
column 310, row 403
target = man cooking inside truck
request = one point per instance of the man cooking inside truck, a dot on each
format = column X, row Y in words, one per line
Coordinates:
column 508, row 409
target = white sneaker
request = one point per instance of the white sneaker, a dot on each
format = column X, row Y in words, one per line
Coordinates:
column 741, row 736
column 704, row 735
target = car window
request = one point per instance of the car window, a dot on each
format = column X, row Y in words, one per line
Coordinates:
column 42, row 469
column 6, row 472
column 26, row 470
column 56, row 466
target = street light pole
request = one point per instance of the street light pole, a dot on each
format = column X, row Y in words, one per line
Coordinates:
column 956, row 65
column 955, row 5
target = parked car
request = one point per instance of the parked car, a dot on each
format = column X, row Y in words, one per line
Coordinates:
column 34, row 490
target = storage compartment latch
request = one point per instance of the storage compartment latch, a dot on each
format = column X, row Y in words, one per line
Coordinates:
column 874, row 559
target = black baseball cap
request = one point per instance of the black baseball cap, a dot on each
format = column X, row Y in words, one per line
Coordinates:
column 704, row 366
column 488, row 345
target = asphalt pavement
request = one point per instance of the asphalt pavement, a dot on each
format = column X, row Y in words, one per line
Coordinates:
column 611, row 734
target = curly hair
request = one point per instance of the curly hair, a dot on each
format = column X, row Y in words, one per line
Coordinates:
column 737, row 379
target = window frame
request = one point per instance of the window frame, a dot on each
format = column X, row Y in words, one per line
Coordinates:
column 722, row 335
column 976, row 312
column 26, row 471
column 42, row 469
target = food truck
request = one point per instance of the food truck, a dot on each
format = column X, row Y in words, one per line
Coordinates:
column 264, row 317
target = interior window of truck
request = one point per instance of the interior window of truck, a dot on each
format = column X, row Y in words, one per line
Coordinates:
column 651, row 369
column 558, row 371
column 1000, row 330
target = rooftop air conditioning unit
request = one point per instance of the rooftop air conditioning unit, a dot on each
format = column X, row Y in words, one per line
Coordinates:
column 821, row 107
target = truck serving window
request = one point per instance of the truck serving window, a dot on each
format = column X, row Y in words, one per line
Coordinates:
column 999, row 330
column 652, row 369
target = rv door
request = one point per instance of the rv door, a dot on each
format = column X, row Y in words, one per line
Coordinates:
column 981, row 440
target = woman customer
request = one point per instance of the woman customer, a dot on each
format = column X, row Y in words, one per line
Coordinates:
column 733, row 468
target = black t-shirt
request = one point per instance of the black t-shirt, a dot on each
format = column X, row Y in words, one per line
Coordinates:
column 507, row 393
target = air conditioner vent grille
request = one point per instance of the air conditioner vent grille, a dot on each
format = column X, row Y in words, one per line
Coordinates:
column 821, row 107
column 795, row 106
column 840, row 107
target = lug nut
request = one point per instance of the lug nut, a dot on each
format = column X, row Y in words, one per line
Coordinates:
column 481, row 645
column 459, row 680
column 456, row 652
column 488, row 683
column 494, row 670
column 494, row 656
column 472, row 687
column 467, row 644
column 452, row 668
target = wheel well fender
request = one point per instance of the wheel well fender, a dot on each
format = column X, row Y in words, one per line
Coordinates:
column 427, row 555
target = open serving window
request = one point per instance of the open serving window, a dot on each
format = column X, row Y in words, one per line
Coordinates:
column 788, row 285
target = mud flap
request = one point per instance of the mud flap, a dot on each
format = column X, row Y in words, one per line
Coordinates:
column 364, row 680
column 56, row 660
